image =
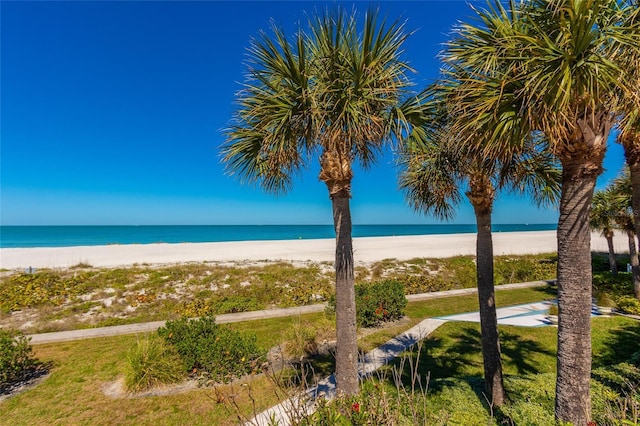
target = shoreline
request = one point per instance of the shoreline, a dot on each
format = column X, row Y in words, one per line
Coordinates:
column 366, row 250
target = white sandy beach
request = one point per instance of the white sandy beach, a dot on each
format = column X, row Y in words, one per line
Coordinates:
column 366, row 250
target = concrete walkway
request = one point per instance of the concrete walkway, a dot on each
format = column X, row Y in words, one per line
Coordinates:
column 146, row 327
column 89, row 333
column 304, row 403
column 527, row 315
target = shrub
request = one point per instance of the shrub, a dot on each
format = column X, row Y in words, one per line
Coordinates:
column 217, row 352
column 300, row 340
column 151, row 362
column 29, row 290
column 616, row 285
column 16, row 359
column 376, row 302
column 629, row 305
column 516, row 269
column 415, row 284
column 616, row 395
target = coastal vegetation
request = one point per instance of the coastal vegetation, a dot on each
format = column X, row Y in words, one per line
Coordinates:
column 57, row 300
column 534, row 79
column 84, row 383
column 17, row 362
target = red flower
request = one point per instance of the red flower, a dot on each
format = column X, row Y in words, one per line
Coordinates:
column 355, row 407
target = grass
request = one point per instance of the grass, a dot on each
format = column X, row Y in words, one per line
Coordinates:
column 73, row 394
column 151, row 363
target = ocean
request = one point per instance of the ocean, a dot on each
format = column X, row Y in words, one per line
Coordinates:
column 68, row 236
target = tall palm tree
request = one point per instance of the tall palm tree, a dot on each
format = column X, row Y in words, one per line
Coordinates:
column 331, row 93
column 560, row 60
column 601, row 219
column 629, row 138
column 624, row 217
column 435, row 169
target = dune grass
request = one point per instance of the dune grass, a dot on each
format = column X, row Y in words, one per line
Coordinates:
column 83, row 297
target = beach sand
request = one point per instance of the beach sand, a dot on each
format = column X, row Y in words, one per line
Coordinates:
column 366, row 250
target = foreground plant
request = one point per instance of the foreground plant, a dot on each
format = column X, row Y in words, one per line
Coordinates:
column 16, row 358
column 215, row 353
column 151, row 363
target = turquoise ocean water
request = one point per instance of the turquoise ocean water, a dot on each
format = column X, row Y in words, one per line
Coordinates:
column 66, row 236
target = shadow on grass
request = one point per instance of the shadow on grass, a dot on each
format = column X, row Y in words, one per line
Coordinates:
column 459, row 353
column 619, row 342
column 549, row 291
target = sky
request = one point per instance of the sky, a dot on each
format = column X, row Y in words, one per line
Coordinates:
column 112, row 113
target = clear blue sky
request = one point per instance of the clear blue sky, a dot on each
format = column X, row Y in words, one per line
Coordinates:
column 112, row 114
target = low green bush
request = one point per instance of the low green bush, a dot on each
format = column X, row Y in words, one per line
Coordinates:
column 629, row 305
column 151, row 362
column 615, row 285
column 517, row 269
column 39, row 289
column 16, row 358
column 376, row 302
column 416, row 284
column 211, row 350
column 616, row 393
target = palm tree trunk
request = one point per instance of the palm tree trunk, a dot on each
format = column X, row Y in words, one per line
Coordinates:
column 633, row 159
column 573, row 398
column 488, row 318
column 613, row 264
column 346, row 346
column 633, row 259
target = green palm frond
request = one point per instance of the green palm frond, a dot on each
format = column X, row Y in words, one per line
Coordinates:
column 535, row 171
column 551, row 61
column 611, row 208
column 273, row 129
column 336, row 87
column 430, row 183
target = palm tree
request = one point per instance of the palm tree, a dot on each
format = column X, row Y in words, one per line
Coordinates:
column 629, row 138
column 331, row 93
column 561, row 61
column 601, row 219
column 434, row 171
column 622, row 207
